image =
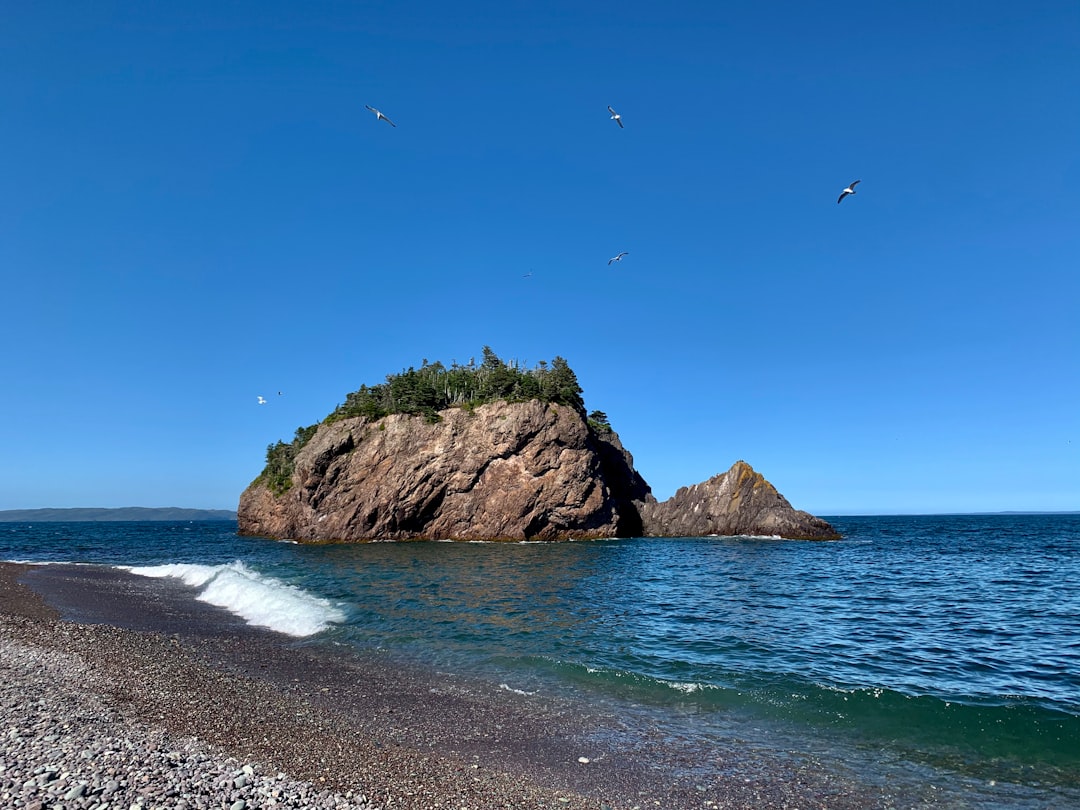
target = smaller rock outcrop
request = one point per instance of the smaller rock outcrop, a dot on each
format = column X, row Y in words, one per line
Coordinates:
column 739, row 501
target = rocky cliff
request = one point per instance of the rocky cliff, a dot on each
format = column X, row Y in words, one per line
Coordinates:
column 523, row 471
column 739, row 501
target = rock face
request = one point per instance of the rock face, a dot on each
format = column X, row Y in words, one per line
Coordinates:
column 739, row 501
column 527, row 471
column 523, row 471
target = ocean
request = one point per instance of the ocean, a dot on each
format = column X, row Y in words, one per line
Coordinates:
column 938, row 656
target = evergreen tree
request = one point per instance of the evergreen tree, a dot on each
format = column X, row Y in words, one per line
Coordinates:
column 598, row 420
column 433, row 388
column 562, row 385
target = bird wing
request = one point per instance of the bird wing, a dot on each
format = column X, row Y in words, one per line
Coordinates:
column 379, row 115
column 619, row 122
column 611, row 110
column 855, row 184
column 843, row 194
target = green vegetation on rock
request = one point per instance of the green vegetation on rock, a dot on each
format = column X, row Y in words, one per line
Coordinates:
column 598, row 421
column 280, row 458
column 434, row 387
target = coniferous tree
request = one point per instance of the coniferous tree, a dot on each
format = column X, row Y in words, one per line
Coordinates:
column 433, row 388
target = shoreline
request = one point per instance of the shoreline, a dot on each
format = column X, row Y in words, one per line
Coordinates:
column 353, row 731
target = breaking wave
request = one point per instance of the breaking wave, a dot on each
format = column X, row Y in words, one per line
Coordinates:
column 259, row 600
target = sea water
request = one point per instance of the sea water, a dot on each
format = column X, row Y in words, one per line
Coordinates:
column 933, row 650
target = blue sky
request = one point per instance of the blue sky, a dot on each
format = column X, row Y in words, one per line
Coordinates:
column 198, row 210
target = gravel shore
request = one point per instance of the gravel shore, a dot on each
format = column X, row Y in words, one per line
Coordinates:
column 111, row 717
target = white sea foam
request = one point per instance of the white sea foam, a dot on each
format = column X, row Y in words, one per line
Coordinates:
column 686, row 688
column 510, row 688
column 259, row 600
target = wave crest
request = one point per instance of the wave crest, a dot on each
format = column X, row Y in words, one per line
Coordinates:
column 259, row 600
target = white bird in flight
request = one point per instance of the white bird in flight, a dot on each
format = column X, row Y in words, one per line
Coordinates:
column 849, row 190
column 615, row 116
column 262, row 401
column 380, row 116
column 618, row 258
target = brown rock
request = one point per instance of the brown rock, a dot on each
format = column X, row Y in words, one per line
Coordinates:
column 502, row 471
column 523, row 471
column 739, row 501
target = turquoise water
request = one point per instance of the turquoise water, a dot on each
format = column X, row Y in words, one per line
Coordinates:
column 942, row 649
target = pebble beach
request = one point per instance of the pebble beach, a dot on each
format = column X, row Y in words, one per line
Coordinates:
column 95, row 715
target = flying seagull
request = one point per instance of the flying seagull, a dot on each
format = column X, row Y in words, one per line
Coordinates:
column 618, row 258
column 615, row 116
column 379, row 115
column 262, row 401
column 849, row 190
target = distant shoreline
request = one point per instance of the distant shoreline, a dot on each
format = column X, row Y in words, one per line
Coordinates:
column 127, row 513
column 1003, row 513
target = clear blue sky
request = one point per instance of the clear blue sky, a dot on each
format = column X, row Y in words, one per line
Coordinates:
column 198, row 210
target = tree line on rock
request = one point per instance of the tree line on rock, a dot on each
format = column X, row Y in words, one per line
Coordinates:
column 434, row 387
column 278, row 472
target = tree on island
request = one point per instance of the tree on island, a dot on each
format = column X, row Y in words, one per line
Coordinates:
column 433, row 388
column 598, row 421
column 278, row 472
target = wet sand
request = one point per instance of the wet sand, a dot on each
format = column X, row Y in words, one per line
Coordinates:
column 400, row 736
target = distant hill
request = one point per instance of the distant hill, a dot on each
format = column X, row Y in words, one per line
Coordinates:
column 1031, row 513
column 128, row 513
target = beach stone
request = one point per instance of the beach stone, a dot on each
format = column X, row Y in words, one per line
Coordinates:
column 75, row 793
column 94, row 764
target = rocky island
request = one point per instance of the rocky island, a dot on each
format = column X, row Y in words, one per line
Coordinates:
column 489, row 452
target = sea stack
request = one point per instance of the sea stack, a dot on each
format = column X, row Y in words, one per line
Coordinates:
column 737, row 502
column 501, row 471
column 488, row 451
